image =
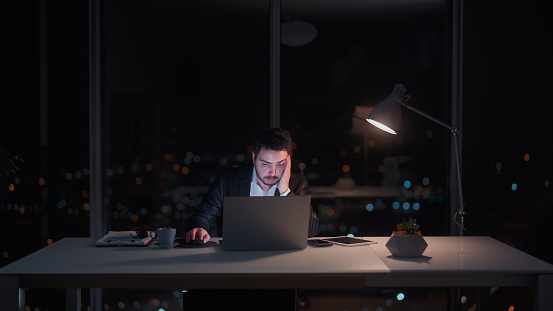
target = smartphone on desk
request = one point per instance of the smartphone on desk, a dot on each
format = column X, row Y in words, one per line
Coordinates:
column 319, row 242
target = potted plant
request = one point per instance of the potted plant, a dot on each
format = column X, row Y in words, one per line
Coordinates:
column 407, row 241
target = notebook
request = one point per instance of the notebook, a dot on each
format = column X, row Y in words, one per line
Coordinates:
column 265, row 223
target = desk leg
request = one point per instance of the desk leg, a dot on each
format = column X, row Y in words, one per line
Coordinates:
column 542, row 294
column 96, row 299
column 22, row 299
column 73, row 299
column 11, row 296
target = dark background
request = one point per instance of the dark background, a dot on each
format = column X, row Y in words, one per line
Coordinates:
column 157, row 59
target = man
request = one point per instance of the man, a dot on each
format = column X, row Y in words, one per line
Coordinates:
column 269, row 175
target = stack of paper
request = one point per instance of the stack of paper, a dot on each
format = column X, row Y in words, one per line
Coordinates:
column 123, row 238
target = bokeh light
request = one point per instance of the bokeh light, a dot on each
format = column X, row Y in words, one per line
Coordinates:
column 527, row 157
column 176, row 167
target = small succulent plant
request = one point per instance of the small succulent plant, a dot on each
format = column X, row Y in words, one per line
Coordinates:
column 408, row 227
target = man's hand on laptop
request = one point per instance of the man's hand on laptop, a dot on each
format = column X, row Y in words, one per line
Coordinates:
column 202, row 234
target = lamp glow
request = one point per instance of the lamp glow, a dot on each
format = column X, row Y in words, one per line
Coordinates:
column 381, row 126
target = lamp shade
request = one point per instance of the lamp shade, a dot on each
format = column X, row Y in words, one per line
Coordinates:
column 387, row 114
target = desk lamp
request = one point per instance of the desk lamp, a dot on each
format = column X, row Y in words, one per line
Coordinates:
column 387, row 117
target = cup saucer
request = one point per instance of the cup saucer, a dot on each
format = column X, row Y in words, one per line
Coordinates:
column 169, row 246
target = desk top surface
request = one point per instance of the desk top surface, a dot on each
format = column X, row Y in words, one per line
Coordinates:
column 464, row 254
column 78, row 256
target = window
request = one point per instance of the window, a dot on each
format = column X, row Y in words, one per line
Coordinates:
column 184, row 91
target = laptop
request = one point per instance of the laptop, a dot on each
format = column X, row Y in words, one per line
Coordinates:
column 265, row 223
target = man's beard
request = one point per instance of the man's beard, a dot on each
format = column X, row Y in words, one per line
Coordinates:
column 265, row 182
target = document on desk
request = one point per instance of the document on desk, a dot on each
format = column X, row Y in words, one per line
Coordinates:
column 123, row 238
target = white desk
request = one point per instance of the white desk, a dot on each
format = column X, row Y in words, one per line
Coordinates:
column 448, row 261
column 461, row 261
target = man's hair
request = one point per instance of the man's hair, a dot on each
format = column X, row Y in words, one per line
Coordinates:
column 275, row 139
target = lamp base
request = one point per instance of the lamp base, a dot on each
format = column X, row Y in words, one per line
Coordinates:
column 406, row 246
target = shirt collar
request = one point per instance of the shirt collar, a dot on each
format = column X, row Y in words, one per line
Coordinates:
column 255, row 189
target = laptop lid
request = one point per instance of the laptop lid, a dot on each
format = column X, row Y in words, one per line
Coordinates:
column 265, row 223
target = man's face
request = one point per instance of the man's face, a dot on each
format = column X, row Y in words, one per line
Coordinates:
column 269, row 165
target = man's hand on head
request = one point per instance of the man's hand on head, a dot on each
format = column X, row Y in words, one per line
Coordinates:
column 284, row 181
column 202, row 234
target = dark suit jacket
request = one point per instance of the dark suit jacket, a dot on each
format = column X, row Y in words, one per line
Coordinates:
column 236, row 182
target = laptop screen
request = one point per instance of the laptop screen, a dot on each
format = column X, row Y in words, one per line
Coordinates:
column 265, row 223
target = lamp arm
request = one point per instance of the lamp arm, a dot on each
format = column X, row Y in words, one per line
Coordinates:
column 461, row 210
column 454, row 130
column 404, row 103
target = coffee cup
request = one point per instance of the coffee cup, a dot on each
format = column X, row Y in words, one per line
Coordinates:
column 165, row 236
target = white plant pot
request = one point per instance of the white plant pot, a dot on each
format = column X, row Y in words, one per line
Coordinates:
column 406, row 246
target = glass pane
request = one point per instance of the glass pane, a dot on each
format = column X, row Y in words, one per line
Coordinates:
column 329, row 86
column 185, row 88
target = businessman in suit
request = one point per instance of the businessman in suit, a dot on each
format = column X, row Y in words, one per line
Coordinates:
column 269, row 175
